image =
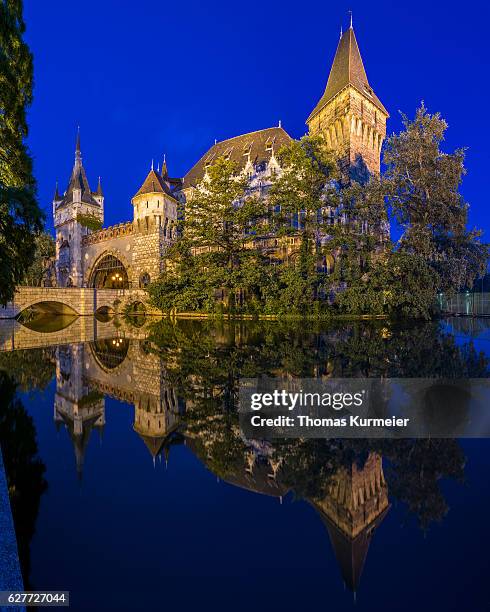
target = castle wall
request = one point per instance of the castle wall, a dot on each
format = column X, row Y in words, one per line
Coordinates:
column 148, row 252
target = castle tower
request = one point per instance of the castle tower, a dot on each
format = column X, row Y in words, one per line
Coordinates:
column 70, row 213
column 155, row 223
column 349, row 114
column 356, row 503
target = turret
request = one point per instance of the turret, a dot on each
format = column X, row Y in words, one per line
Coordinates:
column 99, row 194
column 154, row 205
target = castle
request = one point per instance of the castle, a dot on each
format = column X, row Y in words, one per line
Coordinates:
column 348, row 114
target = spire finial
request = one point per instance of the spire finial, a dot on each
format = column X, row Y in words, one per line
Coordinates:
column 280, row 123
column 350, row 13
column 152, row 164
column 164, row 167
column 341, row 32
column 78, row 153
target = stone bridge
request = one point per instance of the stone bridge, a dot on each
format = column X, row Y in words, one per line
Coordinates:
column 73, row 300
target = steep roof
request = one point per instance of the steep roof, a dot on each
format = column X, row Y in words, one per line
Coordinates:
column 350, row 553
column 154, row 183
column 78, row 180
column 256, row 145
column 347, row 69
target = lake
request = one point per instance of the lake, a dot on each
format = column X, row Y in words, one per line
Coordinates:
column 133, row 487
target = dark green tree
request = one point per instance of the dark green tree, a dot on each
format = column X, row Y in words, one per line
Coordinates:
column 215, row 253
column 423, row 191
column 23, row 466
column 303, row 198
column 20, row 215
column 45, row 250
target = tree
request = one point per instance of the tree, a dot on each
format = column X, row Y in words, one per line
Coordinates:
column 422, row 186
column 20, row 215
column 300, row 192
column 302, row 198
column 45, row 249
column 221, row 221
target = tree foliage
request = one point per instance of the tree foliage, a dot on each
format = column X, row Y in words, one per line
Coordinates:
column 20, row 216
column 90, row 221
column 45, row 250
column 423, row 191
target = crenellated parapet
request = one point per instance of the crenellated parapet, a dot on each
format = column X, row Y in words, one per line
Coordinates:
column 108, row 233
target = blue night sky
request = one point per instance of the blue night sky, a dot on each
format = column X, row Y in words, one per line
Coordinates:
column 150, row 77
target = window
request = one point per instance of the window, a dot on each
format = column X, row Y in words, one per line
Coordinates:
column 269, row 143
column 247, row 149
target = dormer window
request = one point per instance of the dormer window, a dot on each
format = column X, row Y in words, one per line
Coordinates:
column 247, row 149
column 208, row 162
column 269, row 143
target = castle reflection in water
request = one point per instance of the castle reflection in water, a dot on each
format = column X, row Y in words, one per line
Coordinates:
column 87, row 373
column 179, row 381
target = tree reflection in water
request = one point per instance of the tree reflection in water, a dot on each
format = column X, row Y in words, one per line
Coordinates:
column 183, row 377
column 24, row 469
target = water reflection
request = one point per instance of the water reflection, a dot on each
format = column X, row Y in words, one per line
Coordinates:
column 181, row 379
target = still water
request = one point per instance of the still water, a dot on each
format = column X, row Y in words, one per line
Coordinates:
column 133, row 488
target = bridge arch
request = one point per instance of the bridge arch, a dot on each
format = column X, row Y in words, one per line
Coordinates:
column 110, row 271
column 110, row 353
column 46, row 300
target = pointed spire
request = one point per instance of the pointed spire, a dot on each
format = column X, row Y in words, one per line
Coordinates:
column 99, row 188
column 347, row 69
column 56, row 193
column 164, row 168
column 78, row 152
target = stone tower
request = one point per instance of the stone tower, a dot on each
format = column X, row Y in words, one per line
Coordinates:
column 72, row 214
column 155, row 224
column 349, row 114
